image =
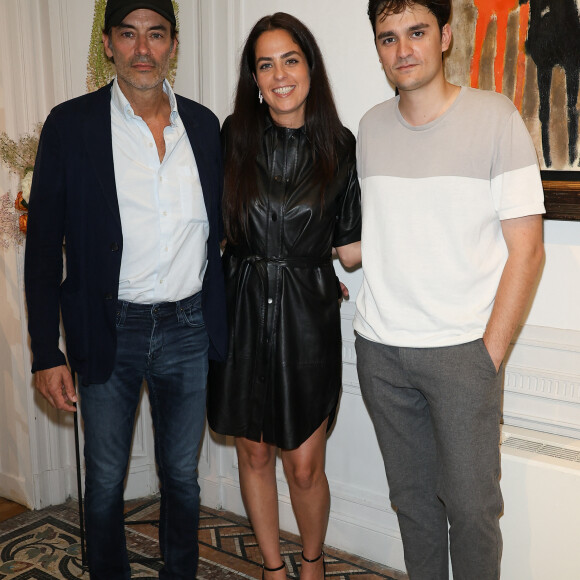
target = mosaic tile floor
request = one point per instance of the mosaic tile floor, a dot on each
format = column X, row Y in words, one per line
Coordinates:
column 45, row 545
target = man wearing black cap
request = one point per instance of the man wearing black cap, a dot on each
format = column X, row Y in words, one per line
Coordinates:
column 131, row 177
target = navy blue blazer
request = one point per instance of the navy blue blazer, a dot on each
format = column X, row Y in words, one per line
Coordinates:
column 74, row 199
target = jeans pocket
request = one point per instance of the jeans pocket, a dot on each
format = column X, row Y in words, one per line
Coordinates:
column 192, row 316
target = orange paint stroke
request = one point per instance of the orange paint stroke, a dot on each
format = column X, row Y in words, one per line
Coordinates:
column 521, row 64
column 499, row 10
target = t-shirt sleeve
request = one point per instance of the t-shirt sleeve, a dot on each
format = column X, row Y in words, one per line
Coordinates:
column 516, row 183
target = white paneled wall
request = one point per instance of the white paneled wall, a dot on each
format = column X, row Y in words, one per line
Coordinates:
column 43, row 46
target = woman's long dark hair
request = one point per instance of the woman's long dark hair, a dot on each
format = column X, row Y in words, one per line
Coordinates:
column 246, row 125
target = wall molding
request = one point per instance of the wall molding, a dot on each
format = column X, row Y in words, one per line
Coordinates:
column 540, row 383
column 542, row 379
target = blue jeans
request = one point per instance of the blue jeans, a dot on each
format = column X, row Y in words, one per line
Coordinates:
column 165, row 344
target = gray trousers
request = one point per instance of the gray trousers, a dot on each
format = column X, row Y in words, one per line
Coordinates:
column 436, row 413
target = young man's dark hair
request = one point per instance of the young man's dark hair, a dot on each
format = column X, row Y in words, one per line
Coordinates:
column 441, row 9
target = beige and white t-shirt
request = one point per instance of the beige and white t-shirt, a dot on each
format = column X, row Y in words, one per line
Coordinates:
column 433, row 198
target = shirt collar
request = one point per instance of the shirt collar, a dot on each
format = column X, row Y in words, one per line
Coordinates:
column 121, row 103
column 270, row 125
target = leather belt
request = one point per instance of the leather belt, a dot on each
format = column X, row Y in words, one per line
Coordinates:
column 291, row 261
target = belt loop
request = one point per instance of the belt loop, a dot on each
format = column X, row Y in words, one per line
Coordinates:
column 122, row 306
column 179, row 310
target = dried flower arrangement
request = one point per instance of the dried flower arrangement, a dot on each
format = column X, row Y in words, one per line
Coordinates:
column 19, row 157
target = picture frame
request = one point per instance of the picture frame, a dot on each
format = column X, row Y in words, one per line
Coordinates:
column 561, row 195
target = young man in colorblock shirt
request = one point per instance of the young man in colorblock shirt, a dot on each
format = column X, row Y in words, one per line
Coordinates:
column 451, row 247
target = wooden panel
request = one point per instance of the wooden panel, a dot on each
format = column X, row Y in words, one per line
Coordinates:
column 562, row 194
column 9, row 509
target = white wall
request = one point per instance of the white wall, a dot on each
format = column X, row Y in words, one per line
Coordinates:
column 2, row 111
column 43, row 46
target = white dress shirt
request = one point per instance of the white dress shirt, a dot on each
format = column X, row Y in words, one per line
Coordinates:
column 163, row 215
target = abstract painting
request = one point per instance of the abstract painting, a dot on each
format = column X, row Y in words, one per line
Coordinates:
column 529, row 50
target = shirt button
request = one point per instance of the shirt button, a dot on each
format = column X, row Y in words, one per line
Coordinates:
column 165, row 213
column 278, row 178
column 161, row 281
column 150, row 144
column 274, row 216
column 270, row 301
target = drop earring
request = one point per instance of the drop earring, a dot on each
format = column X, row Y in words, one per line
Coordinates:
column 260, row 97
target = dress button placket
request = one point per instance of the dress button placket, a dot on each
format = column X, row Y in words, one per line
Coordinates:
column 277, row 196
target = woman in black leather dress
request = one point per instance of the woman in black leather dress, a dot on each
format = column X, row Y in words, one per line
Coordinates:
column 291, row 195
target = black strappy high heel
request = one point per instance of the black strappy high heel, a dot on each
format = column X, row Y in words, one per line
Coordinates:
column 266, row 569
column 321, row 555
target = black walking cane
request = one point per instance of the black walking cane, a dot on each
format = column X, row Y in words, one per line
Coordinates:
column 80, row 488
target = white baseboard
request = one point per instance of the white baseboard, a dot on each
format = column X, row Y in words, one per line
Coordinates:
column 53, row 487
column 141, row 481
column 210, row 494
column 14, row 489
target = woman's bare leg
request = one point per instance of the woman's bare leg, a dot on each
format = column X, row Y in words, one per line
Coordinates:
column 257, row 466
column 309, row 493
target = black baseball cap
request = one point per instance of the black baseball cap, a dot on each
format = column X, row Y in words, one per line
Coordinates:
column 116, row 10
